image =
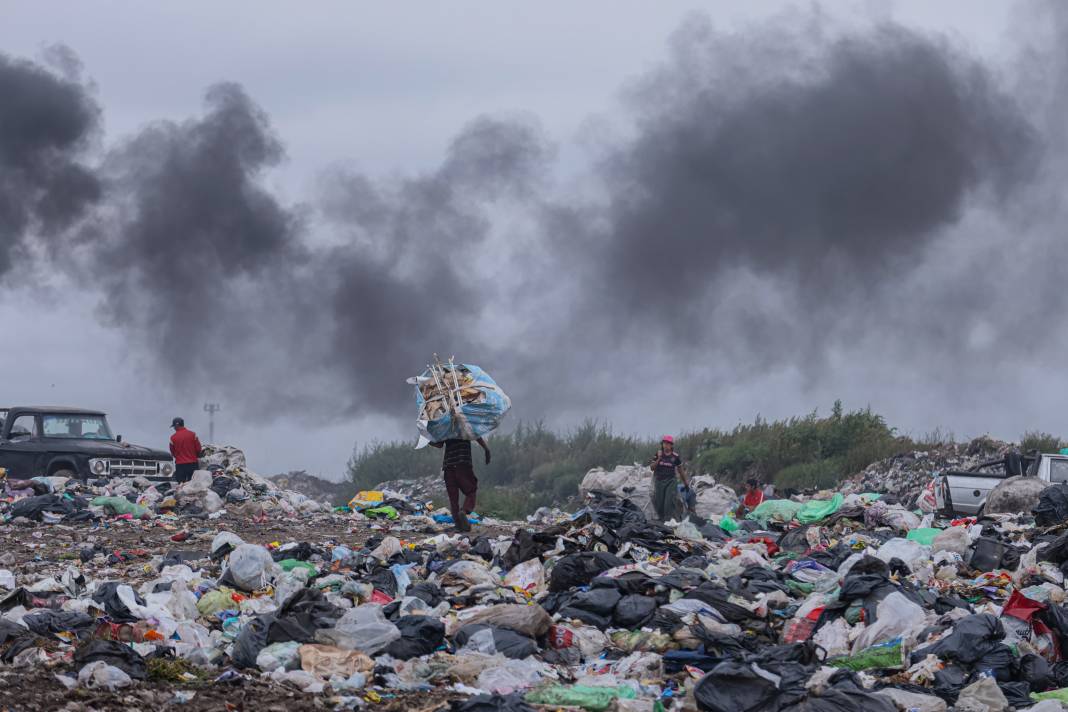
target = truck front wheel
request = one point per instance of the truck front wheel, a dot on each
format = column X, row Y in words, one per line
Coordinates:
column 65, row 473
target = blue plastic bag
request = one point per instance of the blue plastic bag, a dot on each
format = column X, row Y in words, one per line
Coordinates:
column 469, row 421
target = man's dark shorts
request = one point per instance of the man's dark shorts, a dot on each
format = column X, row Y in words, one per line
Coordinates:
column 184, row 473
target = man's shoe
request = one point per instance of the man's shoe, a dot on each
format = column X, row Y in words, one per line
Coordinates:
column 462, row 524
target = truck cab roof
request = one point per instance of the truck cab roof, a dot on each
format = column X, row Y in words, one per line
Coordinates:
column 50, row 409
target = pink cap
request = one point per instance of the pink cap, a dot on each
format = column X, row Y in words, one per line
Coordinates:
column 668, row 439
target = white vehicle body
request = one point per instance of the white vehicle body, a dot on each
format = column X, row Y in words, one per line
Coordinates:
column 965, row 493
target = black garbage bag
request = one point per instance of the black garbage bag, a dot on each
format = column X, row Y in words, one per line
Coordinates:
column 251, row 640
column 1037, row 673
column 223, row 484
column 987, row 554
column 842, row 698
column 507, row 642
column 794, row 540
column 666, row 621
column 1000, row 661
column 420, row 635
column 733, row 686
column 301, row 552
column 9, row 630
column 634, row 611
column 107, row 594
column 1055, row 551
column 1052, row 507
column 971, row 639
column 482, row 548
column 718, row 597
column 615, row 514
column 594, row 607
column 1018, row 694
column 35, row 507
column 522, row 549
column 491, row 703
column 49, row 622
column 114, row 653
column 383, row 580
column 576, row 570
column 756, row 579
column 427, row 592
column 683, row 579
column 1059, row 674
column 303, row 613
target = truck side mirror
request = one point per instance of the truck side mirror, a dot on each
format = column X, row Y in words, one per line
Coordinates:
column 118, row 438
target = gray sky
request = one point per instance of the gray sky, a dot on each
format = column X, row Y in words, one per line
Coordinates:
column 384, row 90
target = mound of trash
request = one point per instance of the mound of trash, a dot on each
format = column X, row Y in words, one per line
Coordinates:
column 908, row 473
column 846, row 600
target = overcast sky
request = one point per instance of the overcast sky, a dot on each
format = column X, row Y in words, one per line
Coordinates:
column 384, row 89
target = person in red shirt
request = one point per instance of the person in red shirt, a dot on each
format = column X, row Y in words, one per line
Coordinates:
column 185, row 447
column 754, row 496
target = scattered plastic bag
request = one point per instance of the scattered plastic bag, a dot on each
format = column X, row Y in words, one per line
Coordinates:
column 101, row 675
column 528, row 576
column 363, row 628
column 595, row 699
column 250, row 567
column 326, row 661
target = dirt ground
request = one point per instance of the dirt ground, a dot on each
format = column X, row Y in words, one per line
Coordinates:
column 37, row 550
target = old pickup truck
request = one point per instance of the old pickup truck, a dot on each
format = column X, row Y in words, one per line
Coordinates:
column 72, row 442
column 965, row 491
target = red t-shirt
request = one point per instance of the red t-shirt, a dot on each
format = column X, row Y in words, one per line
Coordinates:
column 753, row 499
column 185, row 446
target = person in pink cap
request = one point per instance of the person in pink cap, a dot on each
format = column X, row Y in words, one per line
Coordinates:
column 667, row 469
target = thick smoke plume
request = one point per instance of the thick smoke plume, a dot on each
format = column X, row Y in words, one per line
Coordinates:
column 46, row 123
column 784, row 194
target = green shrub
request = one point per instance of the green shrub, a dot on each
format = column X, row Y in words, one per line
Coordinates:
column 1043, row 442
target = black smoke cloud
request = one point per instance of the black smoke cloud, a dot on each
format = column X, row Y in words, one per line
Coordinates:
column 826, row 162
column 47, row 121
column 784, row 192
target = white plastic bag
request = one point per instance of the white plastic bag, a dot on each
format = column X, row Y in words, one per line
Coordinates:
column 279, row 655
column 954, row 539
column 895, row 616
column 251, row 567
column 223, row 538
column 510, row 676
column 99, row 674
column 911, row 552
column 363, row 628
column 528, row 576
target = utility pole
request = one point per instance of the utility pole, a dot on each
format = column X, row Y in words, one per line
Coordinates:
column 211, row 409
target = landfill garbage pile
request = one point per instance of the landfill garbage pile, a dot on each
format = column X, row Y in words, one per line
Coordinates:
column 322, row 491
column 844, row 601
column 907, row 474
column 635, row 482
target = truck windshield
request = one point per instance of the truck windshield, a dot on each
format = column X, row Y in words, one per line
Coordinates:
column 90, row 427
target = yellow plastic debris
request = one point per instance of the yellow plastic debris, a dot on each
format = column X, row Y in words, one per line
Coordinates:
column 366, row 497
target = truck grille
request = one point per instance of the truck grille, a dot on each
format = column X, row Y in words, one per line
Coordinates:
column 133, row 468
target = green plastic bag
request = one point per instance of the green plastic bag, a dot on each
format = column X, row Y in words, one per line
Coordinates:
column 817, row 509
column 923, row 535
column 727, row 523
column 290, row 564
column 1060, row 695
column 120, row 505
column 376, row 512
column 886, row 655
column 595, row 699
column 774, row 510
column 214, row 601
